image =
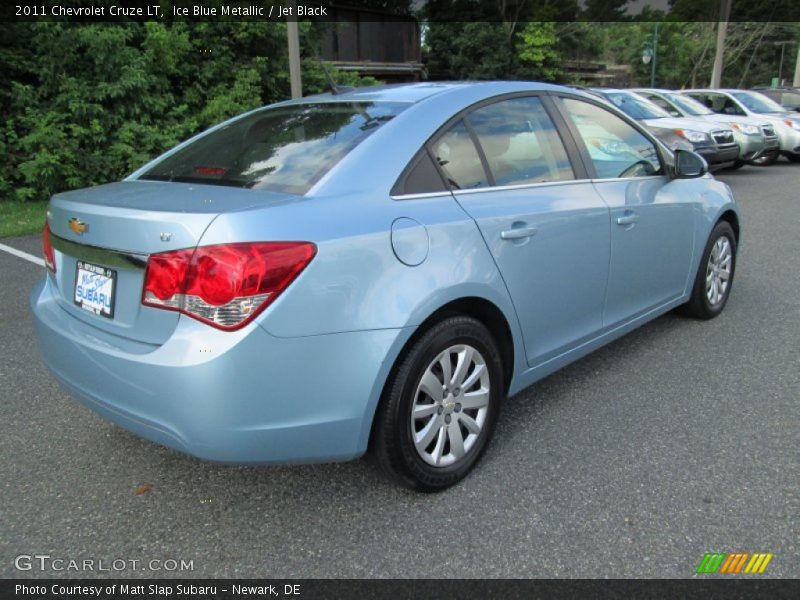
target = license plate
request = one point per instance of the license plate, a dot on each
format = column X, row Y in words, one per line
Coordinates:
column 94, row 288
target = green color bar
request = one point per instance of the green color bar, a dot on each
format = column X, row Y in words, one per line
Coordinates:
column 711, row 562
column 716, row 562
column 702, row 567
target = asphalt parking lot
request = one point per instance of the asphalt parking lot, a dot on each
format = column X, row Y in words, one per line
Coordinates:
column 680, row 439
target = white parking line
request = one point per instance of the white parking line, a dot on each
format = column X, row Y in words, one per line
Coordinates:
column 24, row 255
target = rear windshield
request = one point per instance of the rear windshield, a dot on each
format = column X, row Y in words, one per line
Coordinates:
column 283, row 149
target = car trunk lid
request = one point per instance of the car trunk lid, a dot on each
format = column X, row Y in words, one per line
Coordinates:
column 107, row 232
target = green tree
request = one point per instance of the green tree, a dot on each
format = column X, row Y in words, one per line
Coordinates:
column 536, row 48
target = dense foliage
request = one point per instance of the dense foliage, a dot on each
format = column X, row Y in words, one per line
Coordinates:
column 88, row 103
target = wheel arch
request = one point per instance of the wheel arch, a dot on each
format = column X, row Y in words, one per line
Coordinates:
column 729, row 216
column 481, row 309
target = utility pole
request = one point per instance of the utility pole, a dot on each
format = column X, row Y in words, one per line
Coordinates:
column 722, row 31
column 796, row 82
column 780, row 65
column 655, row 58
column 293, row 40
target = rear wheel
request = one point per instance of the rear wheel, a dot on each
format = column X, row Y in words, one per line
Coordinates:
column 440, row 406
column 793, row 157
column 712, row 284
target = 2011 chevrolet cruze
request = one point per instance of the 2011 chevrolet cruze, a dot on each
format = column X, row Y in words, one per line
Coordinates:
column 376, row 268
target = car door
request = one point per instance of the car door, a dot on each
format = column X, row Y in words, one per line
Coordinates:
column 652, row 223
column 544, row 223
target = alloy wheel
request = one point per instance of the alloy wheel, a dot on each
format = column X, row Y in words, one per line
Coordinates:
column 718, row 270
column 450, row 405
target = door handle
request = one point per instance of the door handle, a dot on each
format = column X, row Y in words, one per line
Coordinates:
column 517, row 233
column 629, row 218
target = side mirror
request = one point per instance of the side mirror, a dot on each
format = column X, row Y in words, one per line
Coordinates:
column 689, row 165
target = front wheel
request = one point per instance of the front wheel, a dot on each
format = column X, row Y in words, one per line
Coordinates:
column 793, row 157
column 767, row 159
column 440, row 406
column 712, row 284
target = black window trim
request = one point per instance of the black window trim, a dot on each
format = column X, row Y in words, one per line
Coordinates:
column 399, row 188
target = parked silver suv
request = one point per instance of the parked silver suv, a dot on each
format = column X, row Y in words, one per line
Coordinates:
column 712, row 141
column 756, row 138
column 752, row 104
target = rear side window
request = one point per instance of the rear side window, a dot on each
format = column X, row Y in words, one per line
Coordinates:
column 459, row 159
column 520, row 142
column 283, row 149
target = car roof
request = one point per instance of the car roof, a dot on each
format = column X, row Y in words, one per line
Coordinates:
column 782, row 88
column 718, row 90
column 655, row 90
column 413, row 93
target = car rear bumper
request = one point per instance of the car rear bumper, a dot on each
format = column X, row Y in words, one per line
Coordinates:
column 237, row 397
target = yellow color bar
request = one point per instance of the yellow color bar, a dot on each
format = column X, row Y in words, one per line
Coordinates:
column 758, row 563
column 766, row 562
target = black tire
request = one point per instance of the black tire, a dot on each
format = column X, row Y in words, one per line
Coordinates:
column 737, row 165
column 767, row 159
column 394, row 445
column 699, row 305
column 793, row 157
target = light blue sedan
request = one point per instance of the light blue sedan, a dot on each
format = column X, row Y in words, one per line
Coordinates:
column 377, row 269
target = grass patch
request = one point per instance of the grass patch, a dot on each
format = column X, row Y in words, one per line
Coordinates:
column 21, row 218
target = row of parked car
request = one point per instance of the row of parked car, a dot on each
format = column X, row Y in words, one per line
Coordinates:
column 728, row 127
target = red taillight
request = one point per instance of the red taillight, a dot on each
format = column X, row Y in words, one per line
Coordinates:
column 47, row 249
column 227, row 285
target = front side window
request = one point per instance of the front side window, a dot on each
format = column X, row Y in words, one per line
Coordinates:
column 689, row 105
column 520, row 142
column 719, row 104
column 616, row 149
column 283, row 149
column 635, row 106
column 663, row 104
column 459, row 159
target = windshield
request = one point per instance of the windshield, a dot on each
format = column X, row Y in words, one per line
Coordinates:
column 284, row 149
column 758, row 103
column 635, row 106
column 689, row 105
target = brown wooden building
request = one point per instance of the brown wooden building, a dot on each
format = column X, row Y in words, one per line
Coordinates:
column 375, row 43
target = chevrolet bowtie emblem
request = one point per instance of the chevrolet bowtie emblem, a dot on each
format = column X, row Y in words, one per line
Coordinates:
column 78, row 226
